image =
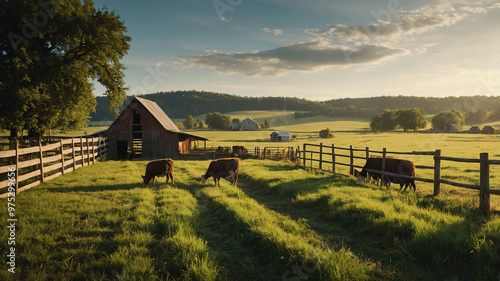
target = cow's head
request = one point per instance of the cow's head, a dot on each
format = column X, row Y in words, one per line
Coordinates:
column 356, row 173
column 145, row 180
column 361, row 178
column 203, row 179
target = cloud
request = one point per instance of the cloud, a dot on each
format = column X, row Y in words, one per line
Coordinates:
column 305, row 56
column 273, row 31
column 408, row 23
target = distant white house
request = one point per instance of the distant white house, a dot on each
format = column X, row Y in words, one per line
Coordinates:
column 248, row 124
column 280, row 136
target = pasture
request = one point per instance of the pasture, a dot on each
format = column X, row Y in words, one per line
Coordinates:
column 281, row 221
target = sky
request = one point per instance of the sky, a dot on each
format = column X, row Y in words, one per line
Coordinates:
column 314, row 49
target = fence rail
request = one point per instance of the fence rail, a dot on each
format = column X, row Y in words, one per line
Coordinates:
column 308, row 153
column 24, row 168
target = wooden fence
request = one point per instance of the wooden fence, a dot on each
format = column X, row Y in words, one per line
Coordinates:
column 331, row 155
column 276, row 153
column 34, row 165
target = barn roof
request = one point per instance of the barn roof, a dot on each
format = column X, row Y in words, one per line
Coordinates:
column 159, row 114
column 250, row 119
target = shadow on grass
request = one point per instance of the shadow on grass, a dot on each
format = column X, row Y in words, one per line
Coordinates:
column 449, row 251
column 243, row 254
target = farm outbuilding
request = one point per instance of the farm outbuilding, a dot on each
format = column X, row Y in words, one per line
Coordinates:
column 450, row 128
column 248, row 124
column 280, row 136
column 488, row 130
column 143, row 129
column 474, row 130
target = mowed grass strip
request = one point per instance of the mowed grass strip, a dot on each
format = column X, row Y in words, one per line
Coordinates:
column 420, row 237
column 183, row 255
column 300, row 248
column 101, row 223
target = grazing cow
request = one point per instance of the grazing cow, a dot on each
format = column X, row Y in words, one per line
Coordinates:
column 159, row 168
column 237, row 149
column 222, row 168
column 392, row 165
column 370, row 176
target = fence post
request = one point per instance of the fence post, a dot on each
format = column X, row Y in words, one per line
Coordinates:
column 367, row 153
column 93, row 150
column 320, row 155
column 41, row 161
column 437, row 172
column 73, row 153
column 382, row 175
column 81, row 151
column 17, row 166
column 304, row 152
column 311, row 160
column 351, row 163
column 88, row 150
column 62, row 157
column 484, row 179
column 333, row 158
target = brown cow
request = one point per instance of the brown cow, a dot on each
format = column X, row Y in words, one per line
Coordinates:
column 222, row 168
column 159, row 168
column 392, row 165
column 237, row 149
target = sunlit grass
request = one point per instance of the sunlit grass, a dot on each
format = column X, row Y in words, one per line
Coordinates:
column 101, row 223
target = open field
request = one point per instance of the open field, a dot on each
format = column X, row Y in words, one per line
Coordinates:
column 281, row 221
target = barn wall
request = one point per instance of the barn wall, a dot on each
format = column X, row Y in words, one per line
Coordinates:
column 156, row 141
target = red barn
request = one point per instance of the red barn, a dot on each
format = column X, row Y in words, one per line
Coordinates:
column 144, row 130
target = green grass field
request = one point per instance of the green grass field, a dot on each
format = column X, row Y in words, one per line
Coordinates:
column 280, row 222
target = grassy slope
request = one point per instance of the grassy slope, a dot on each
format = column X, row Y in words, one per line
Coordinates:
column 100, row 223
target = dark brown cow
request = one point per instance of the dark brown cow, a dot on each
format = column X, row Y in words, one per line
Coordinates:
column 222, row 168
column 238, row 149
column 392, row 165
column 159, row 168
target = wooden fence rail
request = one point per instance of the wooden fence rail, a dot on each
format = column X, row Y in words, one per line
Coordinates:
column 484, row 188
column 34, row 165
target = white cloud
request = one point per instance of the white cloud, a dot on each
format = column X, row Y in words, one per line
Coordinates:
column 305, row 56
column 273, row 31
column 411, row 22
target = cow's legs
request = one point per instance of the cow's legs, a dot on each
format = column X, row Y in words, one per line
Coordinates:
column 235, row 179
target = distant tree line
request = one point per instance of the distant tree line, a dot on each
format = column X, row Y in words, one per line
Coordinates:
column 178, row 104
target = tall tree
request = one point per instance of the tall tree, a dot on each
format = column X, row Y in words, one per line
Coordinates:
column 189, row 122
column 385, row 121
column 411, row 118
column 451, row 116
column 49, row 54
column 218, row 120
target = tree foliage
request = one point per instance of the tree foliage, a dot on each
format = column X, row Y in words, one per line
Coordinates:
column 476, row 117
column 50, row 53
column 406, row 118
column 410, row 119
column 189, row 122
column 218, row 120
column 451, row 116
column 385, row 121
column 178, row 104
